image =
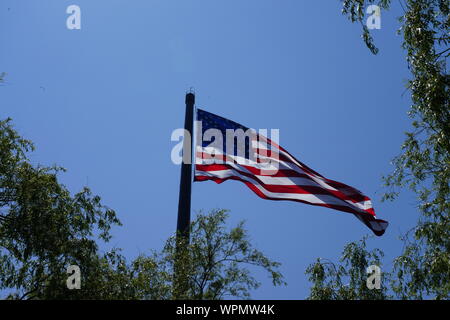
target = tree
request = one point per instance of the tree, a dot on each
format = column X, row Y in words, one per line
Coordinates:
column 347, row 281
column 424, row 165
column 43, row 228
column 213, row 263
column 110, row 277
column 423, row 268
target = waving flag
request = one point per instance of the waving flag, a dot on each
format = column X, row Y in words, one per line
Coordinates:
column 270, row 171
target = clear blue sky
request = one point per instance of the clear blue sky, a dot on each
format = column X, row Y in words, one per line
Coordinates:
column 103, row 101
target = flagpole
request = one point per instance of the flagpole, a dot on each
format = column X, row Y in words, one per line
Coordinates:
column 184, row 203
column 184, row 200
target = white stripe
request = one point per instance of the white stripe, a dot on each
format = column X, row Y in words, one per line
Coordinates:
column 273, row 165
column 314, row 181
column 310, row 198
column 280, row 165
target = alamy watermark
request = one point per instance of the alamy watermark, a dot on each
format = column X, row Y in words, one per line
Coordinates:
column 74, row 280
column 374, row 19
column 374, row 279
column 73, row 22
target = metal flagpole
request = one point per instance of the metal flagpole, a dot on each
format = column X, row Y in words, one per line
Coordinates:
column 184, row 202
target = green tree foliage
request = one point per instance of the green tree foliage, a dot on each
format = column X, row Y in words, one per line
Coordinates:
column 348, row 280
column 110, row 277
column 424, row 165
column 423, row 268
column 355, row 10
column 43, row 228
column 213, row 263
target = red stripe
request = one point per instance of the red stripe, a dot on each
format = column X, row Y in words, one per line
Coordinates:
column 226, row 158
column 350, row 191
column 366, row 217
column 354, row 195
column 271, row 154
column 256, row 171
column 262, row 195
column 301, row 189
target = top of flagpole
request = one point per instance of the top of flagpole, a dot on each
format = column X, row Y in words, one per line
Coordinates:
column 190, row 98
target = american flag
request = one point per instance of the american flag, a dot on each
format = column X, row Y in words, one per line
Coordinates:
column 272, row 173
